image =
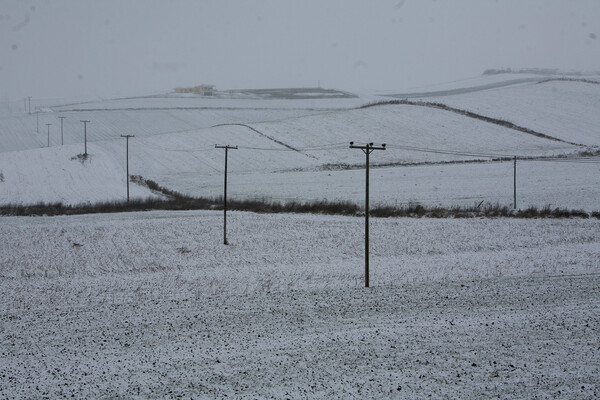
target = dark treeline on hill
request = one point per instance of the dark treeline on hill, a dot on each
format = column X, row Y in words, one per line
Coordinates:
column 536, row 71
column 172, row 200
column 316, row 207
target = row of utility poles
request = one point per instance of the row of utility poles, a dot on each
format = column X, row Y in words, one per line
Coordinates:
column 367, row 149
column 62, row 136
column 62, row 133
column 217, row 146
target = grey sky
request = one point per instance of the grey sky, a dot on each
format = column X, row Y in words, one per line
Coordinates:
column 67, row 48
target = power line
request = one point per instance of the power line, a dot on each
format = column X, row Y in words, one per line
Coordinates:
column 162, row 148
column 575, row 160
column 450, row 152
column 327, row 147
column 586, row 159
column 340, row 146
column 334, row 146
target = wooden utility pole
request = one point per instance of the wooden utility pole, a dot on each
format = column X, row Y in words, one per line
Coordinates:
column 127, row 158
column 48, row 125
column 85, row 122
column 227, row 147
column 62, row 141
column 367, row 149
column 515, row 184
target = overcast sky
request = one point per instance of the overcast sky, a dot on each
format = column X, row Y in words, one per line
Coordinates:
column 71, row 48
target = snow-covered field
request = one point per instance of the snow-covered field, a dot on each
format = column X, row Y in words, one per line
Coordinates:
column 152, row 305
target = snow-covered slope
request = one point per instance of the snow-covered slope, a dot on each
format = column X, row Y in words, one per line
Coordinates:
column 56, row 174
column 25, row 132
column 292, row 149
column 563, row 109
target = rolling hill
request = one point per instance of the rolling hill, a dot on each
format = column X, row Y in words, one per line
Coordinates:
column 297, row 149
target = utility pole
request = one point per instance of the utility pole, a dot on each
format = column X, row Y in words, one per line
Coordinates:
column 127, row 156
column 515, row 184
column 62, row 141
column 37, row 121
column 48, row 125
column 227, row 147
column 29, row 97
column 367, row 149
column 85, row 122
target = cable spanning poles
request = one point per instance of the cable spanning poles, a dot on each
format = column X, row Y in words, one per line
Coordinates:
column 127, row 162
column 227, row 148
column 367, row 149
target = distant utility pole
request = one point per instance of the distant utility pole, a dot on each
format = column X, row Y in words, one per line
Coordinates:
column 37, row 121
column 62, row 141
column 367, row 149
column 227, row 147
column 48, row 125
column 29, row 97
column 85, row 122
column 127, row 156
column 515, row 184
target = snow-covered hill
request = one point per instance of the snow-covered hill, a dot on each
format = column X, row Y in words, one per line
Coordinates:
column 563, row 109
column 298, row 149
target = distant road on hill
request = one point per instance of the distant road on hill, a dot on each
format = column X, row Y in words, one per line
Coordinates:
column 494, row 85
column 451, row 92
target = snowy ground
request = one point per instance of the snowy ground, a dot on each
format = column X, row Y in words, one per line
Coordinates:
column 152, row 305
